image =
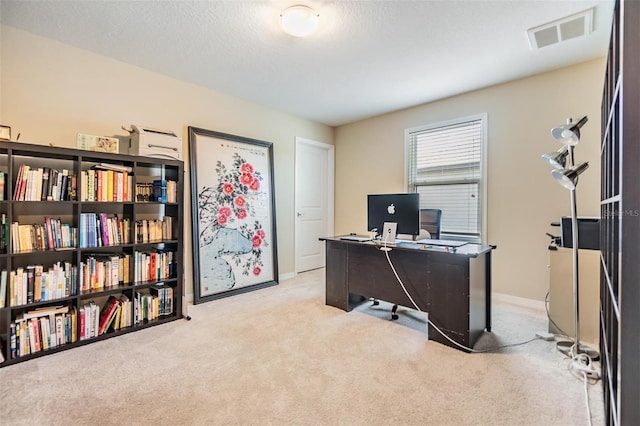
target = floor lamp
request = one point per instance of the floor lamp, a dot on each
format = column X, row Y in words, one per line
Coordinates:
column 569, row 135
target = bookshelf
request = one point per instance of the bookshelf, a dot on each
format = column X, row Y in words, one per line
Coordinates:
column 620, row 225
column 91, row 247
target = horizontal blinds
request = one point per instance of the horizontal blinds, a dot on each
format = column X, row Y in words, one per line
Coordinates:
column 459, row 203
column 445, row 167
column 446, row 153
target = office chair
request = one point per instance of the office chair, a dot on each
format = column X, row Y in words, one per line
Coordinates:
column 430, row 220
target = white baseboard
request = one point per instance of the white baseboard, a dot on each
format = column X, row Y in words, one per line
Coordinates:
column 519, row 301
column 286, row 276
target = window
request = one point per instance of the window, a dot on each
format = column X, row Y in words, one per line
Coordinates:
column 446, row 167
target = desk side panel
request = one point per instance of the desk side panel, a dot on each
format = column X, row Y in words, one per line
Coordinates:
column 478, row 296
column 449, row 297
column 336, row 290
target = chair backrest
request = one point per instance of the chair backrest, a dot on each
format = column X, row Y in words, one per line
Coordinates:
column 430, row 220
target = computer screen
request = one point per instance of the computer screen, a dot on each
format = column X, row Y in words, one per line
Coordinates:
column 403, row 209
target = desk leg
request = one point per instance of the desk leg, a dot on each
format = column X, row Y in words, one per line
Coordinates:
column 488, row 290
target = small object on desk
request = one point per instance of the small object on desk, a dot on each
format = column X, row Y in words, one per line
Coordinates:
column 408, row 244
column 5, row 133
column 448, row 243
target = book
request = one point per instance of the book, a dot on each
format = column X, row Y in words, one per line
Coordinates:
column 31, row 279
column 16, row 189
column 160, row 190
column 97, row 143
column 82, row 317
column 114, row 167
column 45, row 333
column 21, row 182
column 2, row 187
column 106, row 314
column 3, row 288
column 45, row 311
column 38, row 283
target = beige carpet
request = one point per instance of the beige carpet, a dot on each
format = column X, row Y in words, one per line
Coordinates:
column 280, row 356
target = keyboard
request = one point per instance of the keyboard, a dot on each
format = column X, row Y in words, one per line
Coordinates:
column 359, row 238
column 447, row 243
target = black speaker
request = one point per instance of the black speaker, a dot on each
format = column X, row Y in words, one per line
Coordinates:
column 588, row 233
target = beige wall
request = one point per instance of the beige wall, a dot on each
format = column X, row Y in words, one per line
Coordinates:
column 51, row 91
column 522, row 196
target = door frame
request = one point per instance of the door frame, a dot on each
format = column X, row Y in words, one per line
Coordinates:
column 330, row 190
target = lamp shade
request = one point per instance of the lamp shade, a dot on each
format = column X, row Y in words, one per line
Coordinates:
column 557, row 159
column 299, row 21
column 569, row 134
column 569, row 177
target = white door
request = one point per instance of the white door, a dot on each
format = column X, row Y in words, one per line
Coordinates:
column 314, row 202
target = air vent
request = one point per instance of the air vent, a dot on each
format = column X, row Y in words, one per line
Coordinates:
column 560, row 30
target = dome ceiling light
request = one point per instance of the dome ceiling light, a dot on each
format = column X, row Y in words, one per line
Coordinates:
column 299, row 21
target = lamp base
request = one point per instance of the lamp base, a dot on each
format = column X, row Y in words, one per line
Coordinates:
column 569, row 349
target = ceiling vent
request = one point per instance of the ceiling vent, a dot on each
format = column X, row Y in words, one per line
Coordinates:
column 560, row 30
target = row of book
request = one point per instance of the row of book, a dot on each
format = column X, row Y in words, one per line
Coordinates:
column 44, row 184
column 149, row 231
column 100, row 230
column 102, row 271
column 114, row 315
column 154, row 266
column 102, row 183
column 49, row 327
column 95, row 230
column 50, row 235
column 97, row 272
column 105, row 185
column 35, row 284
column 41, row 329
column 160, row 191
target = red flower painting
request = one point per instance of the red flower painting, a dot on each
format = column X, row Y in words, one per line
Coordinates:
column 231, row 205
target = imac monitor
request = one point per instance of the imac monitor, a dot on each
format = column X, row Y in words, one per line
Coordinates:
column 403, row 209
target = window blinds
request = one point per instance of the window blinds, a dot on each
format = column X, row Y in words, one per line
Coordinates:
column 445, row 168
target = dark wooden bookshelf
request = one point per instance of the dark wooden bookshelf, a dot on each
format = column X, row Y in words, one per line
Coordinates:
column 620, row 220
column 142, row 170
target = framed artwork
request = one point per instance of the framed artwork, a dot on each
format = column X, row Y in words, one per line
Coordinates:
column 233, row 214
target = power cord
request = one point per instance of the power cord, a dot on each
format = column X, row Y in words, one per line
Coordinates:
column 561, row 333
column 386, row 252
column 580, row 366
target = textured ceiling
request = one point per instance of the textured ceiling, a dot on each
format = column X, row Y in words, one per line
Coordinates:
column 368, row 57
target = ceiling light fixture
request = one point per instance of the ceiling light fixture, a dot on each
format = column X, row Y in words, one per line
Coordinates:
column 299, row 21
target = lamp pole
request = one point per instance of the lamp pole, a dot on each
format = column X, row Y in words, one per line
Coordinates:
column 569, row 135
column 576, row 287
column 574, row 348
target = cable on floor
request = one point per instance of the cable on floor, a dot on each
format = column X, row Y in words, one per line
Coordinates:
column 415, row 305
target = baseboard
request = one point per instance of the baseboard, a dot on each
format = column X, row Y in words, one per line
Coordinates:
column 286, row 276
column 519, row 301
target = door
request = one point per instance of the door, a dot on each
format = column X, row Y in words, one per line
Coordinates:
column 314, row 202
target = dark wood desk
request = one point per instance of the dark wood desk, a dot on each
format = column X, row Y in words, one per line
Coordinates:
column 453, row 287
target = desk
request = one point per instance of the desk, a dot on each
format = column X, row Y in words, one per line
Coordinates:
column 453, row 287
column 562, row 299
